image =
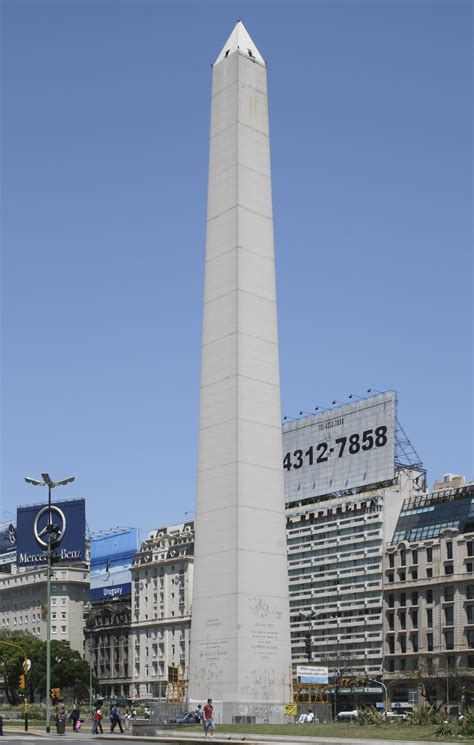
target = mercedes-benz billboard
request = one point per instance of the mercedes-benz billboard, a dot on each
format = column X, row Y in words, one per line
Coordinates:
column 68, row 536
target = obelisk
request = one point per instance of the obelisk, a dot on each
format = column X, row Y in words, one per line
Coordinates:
column 240, row 632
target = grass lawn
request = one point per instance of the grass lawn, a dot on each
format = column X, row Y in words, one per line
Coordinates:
column 400, row 732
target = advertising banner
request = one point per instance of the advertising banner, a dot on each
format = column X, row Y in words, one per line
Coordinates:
column 7, row 543
column 68, row 519
column 311, row 674
column 112, row 556
column 347, row 447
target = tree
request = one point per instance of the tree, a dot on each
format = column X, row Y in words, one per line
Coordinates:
column 68, row 669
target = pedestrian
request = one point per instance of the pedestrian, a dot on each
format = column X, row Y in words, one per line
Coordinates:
column 208, row 719
column 75, row 717
column 97, row 725
column 114, row 717
column 147, row 713
column 198, row 714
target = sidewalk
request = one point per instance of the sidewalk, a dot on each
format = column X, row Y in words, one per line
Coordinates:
column 223, row 738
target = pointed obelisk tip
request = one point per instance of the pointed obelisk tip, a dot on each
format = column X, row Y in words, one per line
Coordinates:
column 240, row 39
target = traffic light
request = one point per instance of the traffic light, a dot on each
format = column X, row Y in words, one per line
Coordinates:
column 55, row 693
column 307, row 645
column 363, row 679
column 21, row 682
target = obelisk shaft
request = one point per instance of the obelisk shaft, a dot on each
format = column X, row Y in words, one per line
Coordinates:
column 240, row 640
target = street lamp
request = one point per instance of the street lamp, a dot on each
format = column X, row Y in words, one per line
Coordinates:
column 307, row 636
column 52, row 540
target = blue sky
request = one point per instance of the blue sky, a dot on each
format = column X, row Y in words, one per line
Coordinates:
column 105, row 114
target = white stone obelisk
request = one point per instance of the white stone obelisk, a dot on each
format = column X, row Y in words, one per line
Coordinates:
column 240, row 634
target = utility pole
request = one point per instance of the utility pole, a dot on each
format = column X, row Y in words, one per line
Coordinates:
column 50, row 530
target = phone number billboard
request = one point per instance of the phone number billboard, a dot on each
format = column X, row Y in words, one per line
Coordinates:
column 112, row 556
column 348, row 447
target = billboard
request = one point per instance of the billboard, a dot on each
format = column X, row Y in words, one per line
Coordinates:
column 112, row 555
column 7, row 543
column 68, row 519
column 310, row 674
column 347, row 447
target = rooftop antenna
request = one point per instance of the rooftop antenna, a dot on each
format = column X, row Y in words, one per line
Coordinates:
column 359, row 398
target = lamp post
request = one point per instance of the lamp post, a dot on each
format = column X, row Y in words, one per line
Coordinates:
column 441, row 654
column 308, row 645
column 51, row 542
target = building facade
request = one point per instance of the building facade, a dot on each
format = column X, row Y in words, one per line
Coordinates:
column 162, row 580
column 428, row 604
column 335, row 567
column 23, row 602
column 107, row 645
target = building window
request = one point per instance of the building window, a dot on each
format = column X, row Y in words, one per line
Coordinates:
column 449, row 569
column 390, row 577
column 470, row 592
column 403, row 643
column 469, row 548
column 449, row 639
column 63, row 629
column 429, row 572
column 391, row 644
column 429, row 555
column 53, row 629
column 414, row 619
column 448, row 593
column 429, row 617
column 470, row 613
column 403, row 620
column 414, row 556
column 403, row 557
column 403, row 664
column 402, row 575
column 414, row 642
column 414, row 597
column 449, row 615
column 449, row 550
column 391, row 560
column 470, row 660
column 403, row 598
column 391, row 624
column 429, row 642
column 391, row 666
column 391, row 600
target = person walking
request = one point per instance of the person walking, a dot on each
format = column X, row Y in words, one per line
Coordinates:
column 115, row 719
column 97, row 725
column 75, row 717
column 208, row 719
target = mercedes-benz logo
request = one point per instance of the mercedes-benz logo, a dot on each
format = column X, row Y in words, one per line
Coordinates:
column 57, row 530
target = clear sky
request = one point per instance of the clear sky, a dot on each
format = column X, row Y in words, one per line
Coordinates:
column 105, row 127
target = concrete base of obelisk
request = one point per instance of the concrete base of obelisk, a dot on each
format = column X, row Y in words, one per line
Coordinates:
column 252, row 712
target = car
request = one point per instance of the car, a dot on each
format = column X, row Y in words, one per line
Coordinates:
column 395, row 715
column 183, row 719
column 347, row 716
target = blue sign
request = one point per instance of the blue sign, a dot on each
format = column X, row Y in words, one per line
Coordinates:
column 68, row 535
column 112, row 556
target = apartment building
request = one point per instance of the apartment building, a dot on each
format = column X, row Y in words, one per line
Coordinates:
column 23, row 602
column 428, row 608
column 162, row 575
column 335, row 566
